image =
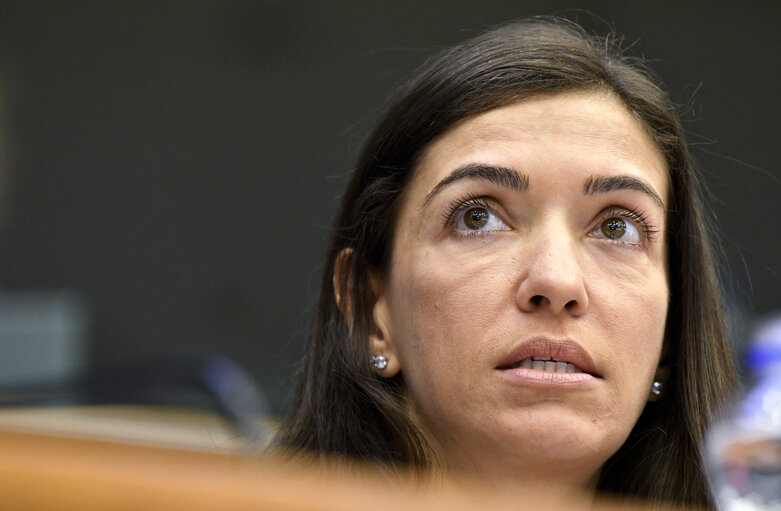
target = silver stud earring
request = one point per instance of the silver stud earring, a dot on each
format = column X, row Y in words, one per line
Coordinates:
column 656, row 388
column 379, row 361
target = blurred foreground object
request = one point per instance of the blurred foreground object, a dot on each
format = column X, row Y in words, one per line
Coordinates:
column 744, row 449
column 98, row 402
column 52, row 472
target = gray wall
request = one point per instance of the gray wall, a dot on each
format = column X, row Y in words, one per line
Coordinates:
column 176, row 164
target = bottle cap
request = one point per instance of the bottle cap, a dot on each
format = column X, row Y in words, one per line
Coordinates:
column 765, row 348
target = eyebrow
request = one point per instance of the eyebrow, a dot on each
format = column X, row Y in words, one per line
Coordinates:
column 502, row 176
column 605, row 184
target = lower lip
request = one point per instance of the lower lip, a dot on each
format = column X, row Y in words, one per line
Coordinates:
column 535, row 377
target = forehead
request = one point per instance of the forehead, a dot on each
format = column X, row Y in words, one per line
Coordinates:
column 566, row 133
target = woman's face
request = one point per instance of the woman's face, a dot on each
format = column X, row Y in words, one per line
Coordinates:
column 526, row 297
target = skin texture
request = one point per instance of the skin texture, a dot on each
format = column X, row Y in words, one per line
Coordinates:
column 454, row 304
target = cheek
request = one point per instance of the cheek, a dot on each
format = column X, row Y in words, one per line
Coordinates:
column 634, row 316
column 442, row 311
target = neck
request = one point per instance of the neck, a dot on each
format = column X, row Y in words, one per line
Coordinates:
column 521, row 493
column 569, row 485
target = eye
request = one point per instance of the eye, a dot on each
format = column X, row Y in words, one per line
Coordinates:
column 618, row 229
column 478, row 218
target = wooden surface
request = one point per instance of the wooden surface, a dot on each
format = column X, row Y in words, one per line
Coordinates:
column 63, row 471
column 39, row 472
column 147, row 425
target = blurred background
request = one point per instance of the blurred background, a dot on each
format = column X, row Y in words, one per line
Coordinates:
column 170, row 169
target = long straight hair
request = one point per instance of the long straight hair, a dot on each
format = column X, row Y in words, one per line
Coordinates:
column 343, row 409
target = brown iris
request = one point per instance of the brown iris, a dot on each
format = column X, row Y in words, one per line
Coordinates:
column 476, row 218
column 614, row 228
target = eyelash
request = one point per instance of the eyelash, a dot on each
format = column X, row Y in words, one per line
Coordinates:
column 639, row 216
column 458, row 206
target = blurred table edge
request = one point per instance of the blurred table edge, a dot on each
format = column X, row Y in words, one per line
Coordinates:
column 50, row 472
column 179, row 428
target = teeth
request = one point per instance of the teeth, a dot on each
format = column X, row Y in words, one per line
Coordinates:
column 549, row 364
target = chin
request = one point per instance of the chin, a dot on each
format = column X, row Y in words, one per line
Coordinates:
column 555, row 446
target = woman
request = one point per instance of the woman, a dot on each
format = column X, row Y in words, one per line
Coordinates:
column 520, row 284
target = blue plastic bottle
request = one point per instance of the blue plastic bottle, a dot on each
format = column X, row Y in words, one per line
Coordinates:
column 744, row 448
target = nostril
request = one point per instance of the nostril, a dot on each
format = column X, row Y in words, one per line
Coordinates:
column 536, row 300
column 571, row 304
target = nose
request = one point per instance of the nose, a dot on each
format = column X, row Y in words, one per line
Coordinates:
column 552, row 276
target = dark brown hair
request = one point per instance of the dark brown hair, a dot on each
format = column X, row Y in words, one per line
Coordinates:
column 343, row 409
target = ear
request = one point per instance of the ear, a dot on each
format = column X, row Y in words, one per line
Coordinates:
column 662, row 375
column 342, row 282
column 381, row 341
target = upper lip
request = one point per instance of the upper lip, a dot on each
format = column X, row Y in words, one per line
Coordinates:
column 565, row 350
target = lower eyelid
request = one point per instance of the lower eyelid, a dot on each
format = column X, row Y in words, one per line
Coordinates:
column 472, row 234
